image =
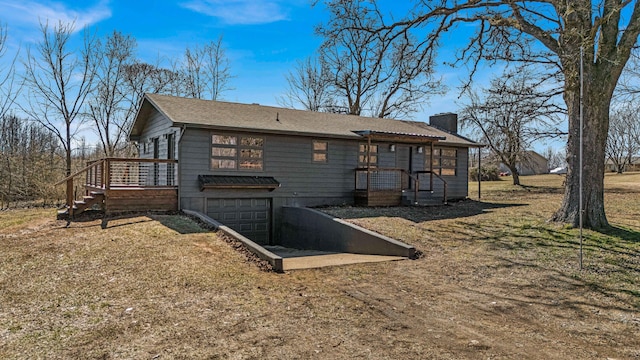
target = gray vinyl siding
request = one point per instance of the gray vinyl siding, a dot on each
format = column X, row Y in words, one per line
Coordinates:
column 303, row 182
column 457, row 186
column 158, row 126
column 287, row 158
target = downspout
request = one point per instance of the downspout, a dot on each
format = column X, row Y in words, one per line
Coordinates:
column 182, row 130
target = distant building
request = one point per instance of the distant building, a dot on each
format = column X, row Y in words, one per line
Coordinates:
column 633, row 166
column 531, row 163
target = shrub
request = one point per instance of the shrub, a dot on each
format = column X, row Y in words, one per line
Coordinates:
column 487, row 173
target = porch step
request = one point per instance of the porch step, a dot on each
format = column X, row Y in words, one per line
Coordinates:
column 87, row 202
column 424, row 199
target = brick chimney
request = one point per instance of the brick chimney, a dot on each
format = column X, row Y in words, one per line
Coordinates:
column 447, row 122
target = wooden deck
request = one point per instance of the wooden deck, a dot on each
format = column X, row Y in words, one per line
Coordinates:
column 123, row 185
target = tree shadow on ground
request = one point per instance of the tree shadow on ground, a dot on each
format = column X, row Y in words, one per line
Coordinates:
column 620, row 232
column 179, row 223
column 609, row 263
column 622, row 190
column 171, row 220
column 418, row 214
column 543, row 189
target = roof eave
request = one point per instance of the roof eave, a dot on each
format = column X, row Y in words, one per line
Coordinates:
column 142, row 116
column 266, row 131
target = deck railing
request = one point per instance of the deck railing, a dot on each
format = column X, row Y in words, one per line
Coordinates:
column 122, row 173
column 133, row 173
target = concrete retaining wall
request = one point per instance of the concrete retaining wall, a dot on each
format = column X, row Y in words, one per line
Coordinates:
column 304, row 228
column 262, row 253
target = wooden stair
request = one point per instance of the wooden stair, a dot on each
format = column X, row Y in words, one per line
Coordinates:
column 94, row 197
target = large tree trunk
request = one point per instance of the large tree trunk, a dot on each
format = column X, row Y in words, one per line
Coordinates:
column 597, row 99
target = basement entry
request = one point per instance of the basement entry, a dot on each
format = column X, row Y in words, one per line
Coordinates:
column 249, row 217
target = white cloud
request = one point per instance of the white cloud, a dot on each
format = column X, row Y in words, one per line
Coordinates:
column 30, row 13
column 241, row 12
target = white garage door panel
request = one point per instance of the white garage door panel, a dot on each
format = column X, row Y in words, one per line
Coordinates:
column 249, row 217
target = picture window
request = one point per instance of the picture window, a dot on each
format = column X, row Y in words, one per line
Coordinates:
column 235, row 152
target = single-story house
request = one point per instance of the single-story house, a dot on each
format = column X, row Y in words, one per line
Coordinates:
column 241, row 163
column 631, row 165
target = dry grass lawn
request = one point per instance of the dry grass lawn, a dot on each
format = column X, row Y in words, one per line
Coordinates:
column 496, row 282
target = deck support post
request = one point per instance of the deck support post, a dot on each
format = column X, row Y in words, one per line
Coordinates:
column 70, row 197
column 107, row 173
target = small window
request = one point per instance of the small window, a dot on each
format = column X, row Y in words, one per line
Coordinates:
column 444, row 161
column 362, row 156
column 320, row 151
column 223, row 140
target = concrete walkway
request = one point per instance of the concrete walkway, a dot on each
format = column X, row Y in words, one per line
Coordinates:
column 294, row 259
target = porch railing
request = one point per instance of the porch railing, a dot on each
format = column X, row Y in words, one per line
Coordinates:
column 392, row 179
column 431, row 174
column 380, row 179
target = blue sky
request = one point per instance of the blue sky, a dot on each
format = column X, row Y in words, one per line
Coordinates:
column 263, row 38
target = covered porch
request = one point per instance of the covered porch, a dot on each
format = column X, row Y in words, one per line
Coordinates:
column 404, row 183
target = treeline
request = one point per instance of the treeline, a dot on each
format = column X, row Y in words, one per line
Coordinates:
column 30, row 158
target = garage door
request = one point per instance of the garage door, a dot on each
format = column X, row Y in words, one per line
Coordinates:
column 249, row 217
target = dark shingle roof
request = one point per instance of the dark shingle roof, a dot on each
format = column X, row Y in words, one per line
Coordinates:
column 256, row 118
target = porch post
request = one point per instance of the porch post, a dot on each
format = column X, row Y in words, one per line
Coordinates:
column 479, row 173
column 368, row 168
column 431, row 167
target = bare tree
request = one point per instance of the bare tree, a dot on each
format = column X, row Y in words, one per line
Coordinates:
column 218, row 69
column 554, row 157
column 205, row 71
column 375, row 73
column 513, row 112
column 309, row 86
column 59, row 80
column 141, row 78
column 193, row 73
column 623, row 142
column 552, row 33
column 9, row 86
column 629, row 86
column 107, row 106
